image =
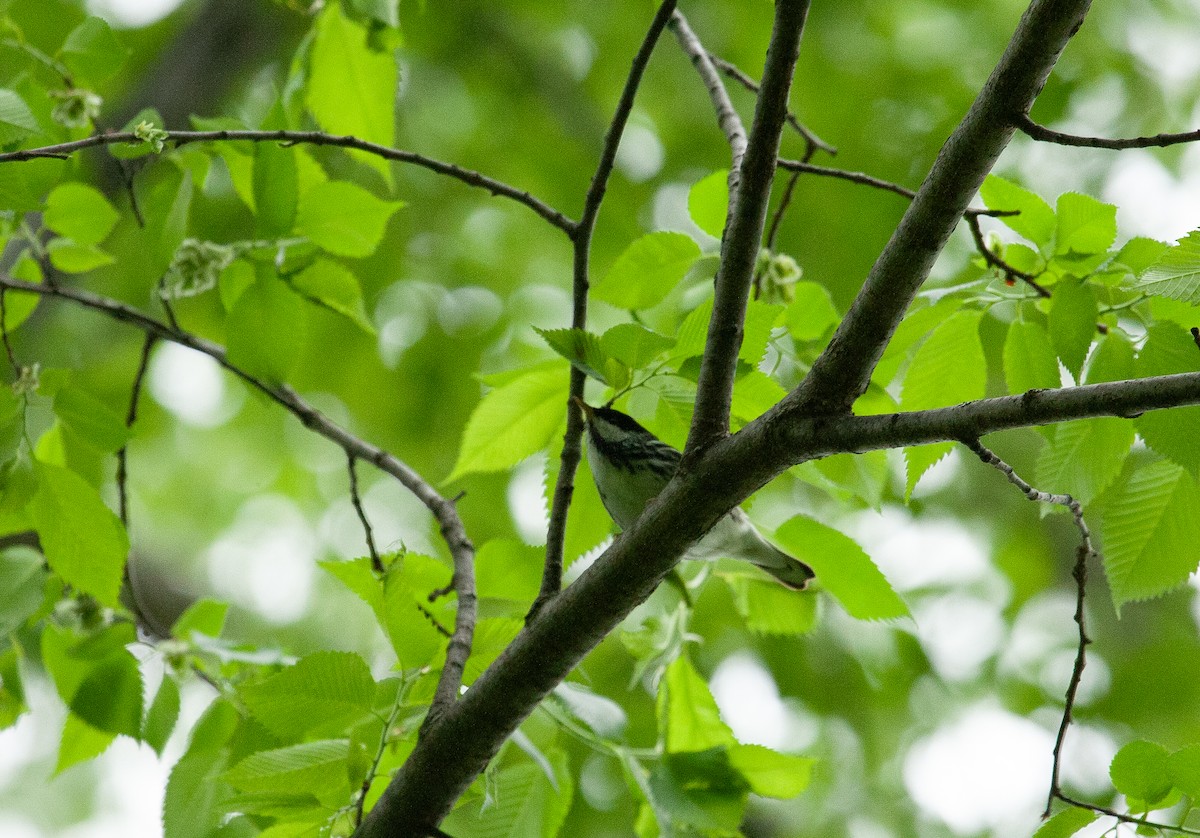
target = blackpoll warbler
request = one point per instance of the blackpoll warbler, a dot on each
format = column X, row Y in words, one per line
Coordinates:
column 631, row 466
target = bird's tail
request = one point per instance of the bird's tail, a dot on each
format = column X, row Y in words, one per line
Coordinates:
column 791, row 572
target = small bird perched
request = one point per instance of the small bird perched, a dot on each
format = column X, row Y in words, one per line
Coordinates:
column 631, row 466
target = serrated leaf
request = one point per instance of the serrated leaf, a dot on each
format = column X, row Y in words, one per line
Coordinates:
column 276, row 188
column 914, row 329
column 1073, row 314
column 1029, row 359
column 93, row 420
column 647, row 270
column 334, row 287
column 1183, row 768
column 949, row 368
column 306, row 767
column 811, row 312
column 192, row 804
column 1150, row 529
column 204, row 616
column 843, row 568
column 761, row 319
column 769, row 608
column 343, row 218
column 581, row 348
column 708, row 202
column 506, row 569
column 754, row 394
column 1172, row 433
column 162, row 715
column 524, row 803
column 16, row 120
column 80, row 742
column 266, row 329
column 1139, row 770
column 771, row 773
column 93, row 52
column 1140, row 253
column 1176, row 275
column 351, row 88
column 1034, row 219
column 1085, row 225
column 634, row 345
column 110, row 697
column 80, row 212
column 688, row 711
column 330, row 690
column 512, row 422
column 22, row 578
column 1084, row 457
column 1066, row 823
column 83, row 541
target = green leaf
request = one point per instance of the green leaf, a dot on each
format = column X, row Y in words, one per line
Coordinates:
column 1183, row 767
column 754, row 394
column 233, row 281
column 1176, row 275
column 1029, row 359
column 1140, row 253
column 343, row 218
column 1140, row 770
column 84, row 542
column 276, row 188
column 192, row 805
column 761, row 319
column 204, row 616
column 329, row 690
column 333, row 286
column 634, row 345
column 110, row 697
column 524, row 803
column 162, row 715
column 1066, row 823
column 18, row 305
column 386, row 12
column 90, row 418
column 512, row 422
column 688, row 711
column 307, row 767
column 769, row 608
column 1084, row 457
column 601, row 715
column 949, row 368
column 582, row 349
column 1150, row 529
column 92, row 51
column 698, row 793
column 842, row 568
column 352, row 89
column 166, row 206
column 1172, row 433
column 80, row 742
column 646, row 272
column 22, row 579
column 1034, row 219
column 914, row 329
column 80, row 212
column 811, row 312
column 266, row 329
column 506, row 569
column 1073, row 314
column 771, row 773
column 140, row 125
column 16, row 120
column 1085, row 225
column 74, row 258
column 708, row 202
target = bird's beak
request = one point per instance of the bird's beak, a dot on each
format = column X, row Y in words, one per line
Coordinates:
column 584, row 406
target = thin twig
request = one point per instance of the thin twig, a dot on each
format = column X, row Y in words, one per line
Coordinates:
column 356, row 499
column 741, row 77
column 727, row 115
column 998, row 263
column 1047, row 135
column 12, row 357
column 1085, row 552
column 360, row 803
column 581, row 235
column 179, row 138
column 1124, row 818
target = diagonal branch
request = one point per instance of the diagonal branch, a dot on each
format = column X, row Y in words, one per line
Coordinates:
column 1047, row 135
column 744, row 231
column 179, row 138
column 843, row 371
column 455, row 534
column 581, row 237
column 727, row 115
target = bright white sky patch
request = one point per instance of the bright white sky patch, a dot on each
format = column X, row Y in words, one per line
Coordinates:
column 133, row 13
column 190, row 385
column 986, row 770
column 640, row 155
column 750, row 704
column 915, row 554
column 526, row 500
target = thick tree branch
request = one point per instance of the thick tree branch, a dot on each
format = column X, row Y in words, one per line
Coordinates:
column 744, row 232
column 842, row 372
column 581, row 236
column 179, row 138
column 727, row 115
column 455, row 534
column 1047, row 135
